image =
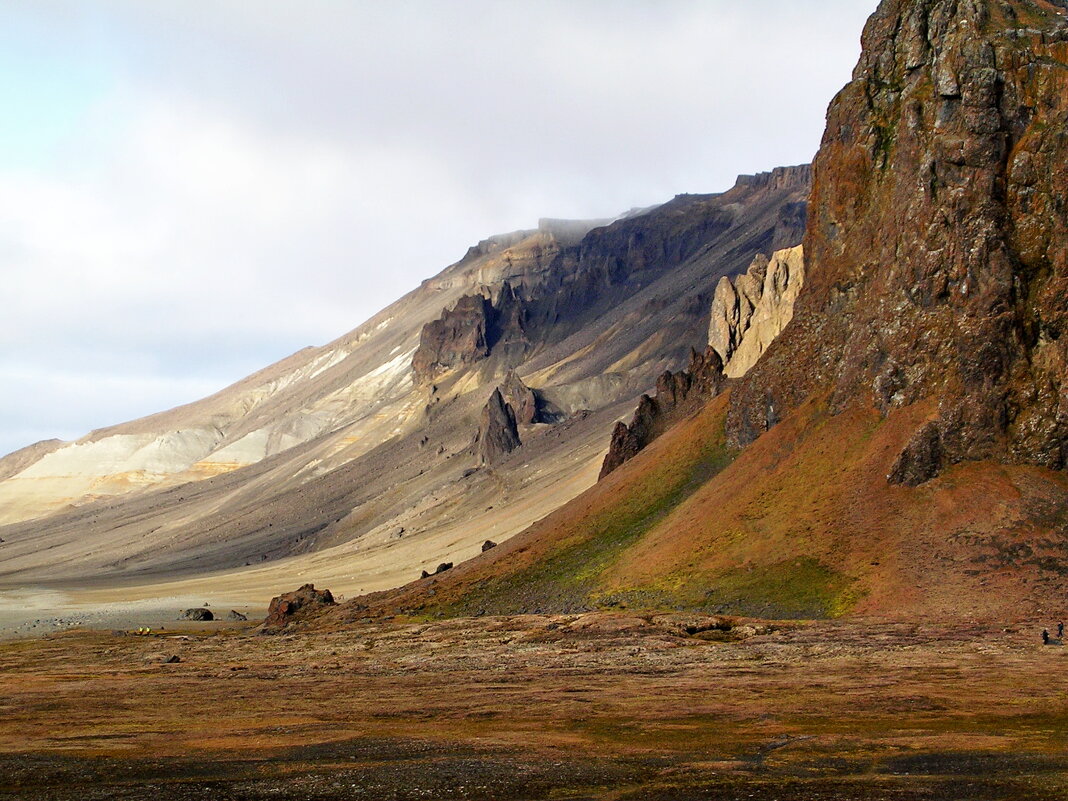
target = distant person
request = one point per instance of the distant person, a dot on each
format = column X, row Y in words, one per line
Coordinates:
column 1045, row 637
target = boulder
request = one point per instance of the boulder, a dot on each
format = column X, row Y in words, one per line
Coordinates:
column 487, row 545
column 297, row 604
column 233, row 614
column 197, row 613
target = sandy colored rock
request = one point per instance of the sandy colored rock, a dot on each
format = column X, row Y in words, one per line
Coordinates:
column 749, row 312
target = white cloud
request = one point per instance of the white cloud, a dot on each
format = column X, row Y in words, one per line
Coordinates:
column 257, row 177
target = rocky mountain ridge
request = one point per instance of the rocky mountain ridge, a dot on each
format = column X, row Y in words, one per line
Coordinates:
column 360, row 461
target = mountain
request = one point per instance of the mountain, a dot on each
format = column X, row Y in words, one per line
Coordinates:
column 899, row 448
column 475, row 405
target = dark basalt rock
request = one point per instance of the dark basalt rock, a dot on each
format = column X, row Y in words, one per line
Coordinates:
column 488, row 545
column 443, row 567
column 198, row 613
column 297, row 604
column 498, row 434
column 233, row 614
column 937, row 240
column 675, row 392
column 470, row 331
column 458, row 337
column 523, row 400
column 921, row 460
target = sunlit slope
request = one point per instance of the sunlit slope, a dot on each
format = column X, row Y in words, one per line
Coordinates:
column 802, row 523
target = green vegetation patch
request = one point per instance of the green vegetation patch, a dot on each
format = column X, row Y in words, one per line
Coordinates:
column 795, row 588
column 567, row 579
column 801, row 589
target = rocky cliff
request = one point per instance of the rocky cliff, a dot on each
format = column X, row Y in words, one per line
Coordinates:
column 676, row 395
column 898, row 450
column 750, row 311
column 937, row 241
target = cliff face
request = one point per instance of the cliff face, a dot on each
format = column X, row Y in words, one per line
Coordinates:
column 937, row 239
column 749, row 312
column 456, row 338
column 578, row 281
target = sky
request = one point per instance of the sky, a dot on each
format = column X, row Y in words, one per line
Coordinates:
column 190, row 191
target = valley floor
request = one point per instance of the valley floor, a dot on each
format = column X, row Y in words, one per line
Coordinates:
column 595, row 706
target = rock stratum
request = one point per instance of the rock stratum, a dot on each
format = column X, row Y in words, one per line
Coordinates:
column 357, row 464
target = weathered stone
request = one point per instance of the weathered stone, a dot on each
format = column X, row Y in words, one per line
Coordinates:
column 297, row 604
column 675, row 394
column 523, row 400
column 488, row 545
column 921, row 460
column 937, row 268
column 750, row 312
column 457, row 337
column 197, row 613
column 498, row 434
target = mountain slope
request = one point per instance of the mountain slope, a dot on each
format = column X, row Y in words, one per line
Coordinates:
column 356, row 462
column 897, row 450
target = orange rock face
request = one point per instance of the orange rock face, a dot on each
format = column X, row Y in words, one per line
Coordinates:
column 937, row 242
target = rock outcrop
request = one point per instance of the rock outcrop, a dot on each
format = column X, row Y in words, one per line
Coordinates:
column 937, row 240
column 300, row 603
column 676, row 393
column 523, row 400
column 749, row 312
column 498, row 434
column 198, row 613
column 476, row 326
column 456, row 338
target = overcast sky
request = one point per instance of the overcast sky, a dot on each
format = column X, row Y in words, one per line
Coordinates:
column 192, row 190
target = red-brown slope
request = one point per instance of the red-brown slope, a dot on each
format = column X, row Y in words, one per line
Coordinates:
column 802, row 523
column 804, row 518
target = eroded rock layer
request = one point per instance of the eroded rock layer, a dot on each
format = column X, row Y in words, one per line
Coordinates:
column 750, row 311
